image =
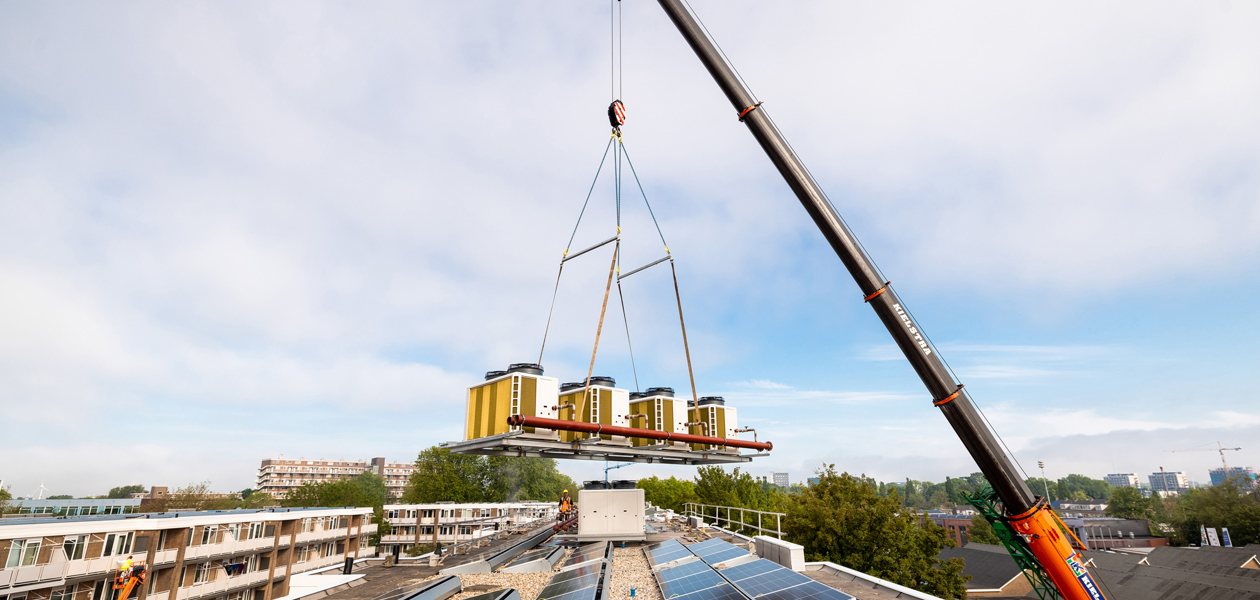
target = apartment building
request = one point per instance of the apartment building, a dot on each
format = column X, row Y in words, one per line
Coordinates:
column 276, row 476
column 211, row 555
column 413, row 523
column 1123, row 480
column 1169, row 482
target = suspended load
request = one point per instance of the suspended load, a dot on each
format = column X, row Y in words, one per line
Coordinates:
column 520, row 390
column 521, row 412
column 657, row 409
column 604, row 404
column 714, row 419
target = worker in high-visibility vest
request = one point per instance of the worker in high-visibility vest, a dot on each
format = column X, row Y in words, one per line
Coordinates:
column 124, row 568
column 566, row 503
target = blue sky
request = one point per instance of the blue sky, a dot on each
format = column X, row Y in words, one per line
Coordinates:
column 235, row 230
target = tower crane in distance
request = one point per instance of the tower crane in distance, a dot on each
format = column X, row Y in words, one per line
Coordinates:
column 1219, row 449
column 1028, row 515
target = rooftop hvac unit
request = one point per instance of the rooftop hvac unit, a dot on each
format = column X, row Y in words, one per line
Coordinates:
column 719, row 420
column 603, row 405
column 522, row 390
column 661, row 412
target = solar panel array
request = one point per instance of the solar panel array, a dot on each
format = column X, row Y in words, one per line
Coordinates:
column 716, row 551
column 587, row 554
column 667, row 551
column 765, row 580
column 759, row 579
column 575, row 584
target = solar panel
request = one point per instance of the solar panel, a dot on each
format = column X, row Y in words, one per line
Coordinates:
column 750, row 569
column 721, row 592
column 585, row 571
column 808, row 591
column 556, row 589
column 723, row 555
column 773, row 581
column 664, row 544
column 693, row 583
column 582, row 594
column 707, row 544
column 532, row 555
column 683, row 570
column 669, row 555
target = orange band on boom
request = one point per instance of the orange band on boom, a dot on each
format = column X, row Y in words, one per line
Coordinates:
column 877, row 292
column 748, row 110
column 949, row 398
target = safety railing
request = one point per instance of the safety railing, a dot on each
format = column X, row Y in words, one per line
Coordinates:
column 736, row 517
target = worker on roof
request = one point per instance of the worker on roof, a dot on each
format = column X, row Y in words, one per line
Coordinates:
column 566, row 503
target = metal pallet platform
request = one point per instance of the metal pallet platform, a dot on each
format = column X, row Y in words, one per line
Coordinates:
column 515, row 444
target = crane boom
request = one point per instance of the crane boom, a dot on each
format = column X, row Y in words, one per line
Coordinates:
column 1029, row 515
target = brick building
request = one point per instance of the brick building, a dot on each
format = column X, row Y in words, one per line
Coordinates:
column 276, row 476
column 215, row 555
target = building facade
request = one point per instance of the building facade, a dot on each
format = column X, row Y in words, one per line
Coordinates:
column 1246, row 474
column 413, row 523
column 276, row 476
column 1124, row 480
column 1169, row 482
column 779, row 479
column 1105, row 533
column 77, row 506
column 212, row 555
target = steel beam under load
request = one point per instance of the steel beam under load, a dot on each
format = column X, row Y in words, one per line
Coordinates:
column 513, row 443
column 651, row 434
column 958, row 409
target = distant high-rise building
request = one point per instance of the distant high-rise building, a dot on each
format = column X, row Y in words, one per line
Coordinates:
column 1124, row 480
column 277, row 476
column 779, row 479
column 1247, row 474
column 1169, row 481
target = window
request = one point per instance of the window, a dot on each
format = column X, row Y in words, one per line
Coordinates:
column 210, row 534
column 302, row 553
column 74, row 547
column 203, row 573
column 117, row 543
column 255, row 531
column 485, row 512
column 363, row 541
column 307, row 526
column 465, row 530
column 23, row 553
column 190, row 536
column 252, row 564
column 65, row 593
column 235, row 532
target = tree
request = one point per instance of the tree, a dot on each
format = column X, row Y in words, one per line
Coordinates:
column 981, row 531
column 513, row 479
column 364, row 489
column 5, row 504
column 1229, row 505
column 672, row 493
column 61, row 497
column 194, row 496
column 714, row 485
column 843, row 520
column 259, row 500
column 245, row 493
column 125, row 491
column 441, row 475
column 1128, row 503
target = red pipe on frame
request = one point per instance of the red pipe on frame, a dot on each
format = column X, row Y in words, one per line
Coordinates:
column 565, row 525
column 652, row 434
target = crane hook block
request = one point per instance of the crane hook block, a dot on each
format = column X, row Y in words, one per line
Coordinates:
column 616, row 114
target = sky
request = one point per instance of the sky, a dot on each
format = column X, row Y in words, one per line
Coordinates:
column 231, row 231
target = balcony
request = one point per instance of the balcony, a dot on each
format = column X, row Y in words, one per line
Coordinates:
column 219, row 586
column 311, row 536
column 228, row 547
column 370, row 528
column 158, row 596
column 14, row 576
column 319, row 563
column 162, row 557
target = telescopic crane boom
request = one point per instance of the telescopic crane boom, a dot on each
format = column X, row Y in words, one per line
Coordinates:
column 1028, row 515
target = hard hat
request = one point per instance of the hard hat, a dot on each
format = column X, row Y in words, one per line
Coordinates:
column 566, row 491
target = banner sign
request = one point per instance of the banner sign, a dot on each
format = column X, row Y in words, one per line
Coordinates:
column 1225, row 537
column 1082, row 575
column 1216, row 541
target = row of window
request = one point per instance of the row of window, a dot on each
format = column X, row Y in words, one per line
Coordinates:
column 78, row 510
column 24, row 553
column 428, row 530
column 455, row 513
